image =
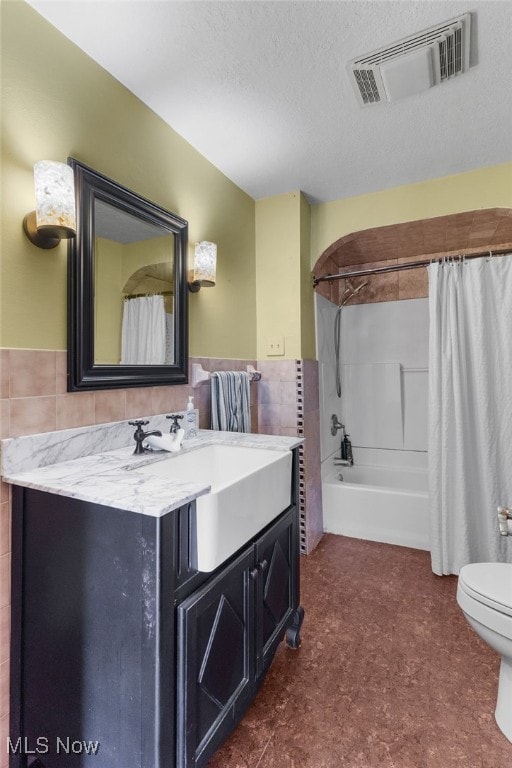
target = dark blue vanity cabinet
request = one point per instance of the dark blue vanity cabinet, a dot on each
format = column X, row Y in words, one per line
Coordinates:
column 228, row 631
column 118, row 641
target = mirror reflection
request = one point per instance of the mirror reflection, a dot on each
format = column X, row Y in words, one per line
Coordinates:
column 133, row 289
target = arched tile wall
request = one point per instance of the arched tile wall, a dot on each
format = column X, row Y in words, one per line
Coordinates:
column 468, row 232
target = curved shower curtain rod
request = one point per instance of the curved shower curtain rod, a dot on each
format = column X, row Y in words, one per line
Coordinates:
column 408, row 265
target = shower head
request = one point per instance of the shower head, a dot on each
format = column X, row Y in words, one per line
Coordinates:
column 353, row 292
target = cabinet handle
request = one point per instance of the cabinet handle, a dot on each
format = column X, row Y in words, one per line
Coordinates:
column 253, row 573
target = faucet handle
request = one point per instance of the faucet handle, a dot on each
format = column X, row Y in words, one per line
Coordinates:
column 139, row 435
column 139, row 423
column 175, row 418
column 335, row 425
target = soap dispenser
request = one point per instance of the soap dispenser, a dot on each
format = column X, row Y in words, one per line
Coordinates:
column 191, row 425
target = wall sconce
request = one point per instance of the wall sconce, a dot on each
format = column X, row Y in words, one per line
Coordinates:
column 54, row 217
column 205, row 265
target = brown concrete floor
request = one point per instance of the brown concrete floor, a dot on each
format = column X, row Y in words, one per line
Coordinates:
column 389, row 675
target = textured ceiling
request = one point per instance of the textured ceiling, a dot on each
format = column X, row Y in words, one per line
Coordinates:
column 260, row 88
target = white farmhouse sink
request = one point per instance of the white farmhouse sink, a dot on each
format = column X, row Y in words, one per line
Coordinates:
column 249, row 488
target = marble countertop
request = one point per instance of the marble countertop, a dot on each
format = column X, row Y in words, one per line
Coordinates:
column 110, row 477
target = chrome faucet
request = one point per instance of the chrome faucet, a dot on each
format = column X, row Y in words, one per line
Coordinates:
column 139, row 435
column 339, row 461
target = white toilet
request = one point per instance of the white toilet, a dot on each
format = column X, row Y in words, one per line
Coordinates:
column 484, row 594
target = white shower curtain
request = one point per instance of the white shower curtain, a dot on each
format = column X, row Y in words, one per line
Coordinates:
column 143, row 332
column 470, row 410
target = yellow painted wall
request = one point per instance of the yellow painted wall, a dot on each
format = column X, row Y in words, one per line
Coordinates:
column 145, row 252
column 291, row 235
column 307, row 306
column 484, row 188
column 284, row 295
column 278, row 274
column 108, row 303
column 57, row 102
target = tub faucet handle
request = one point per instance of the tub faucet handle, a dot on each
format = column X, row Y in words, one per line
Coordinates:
column 335, row 425
column 176, row 418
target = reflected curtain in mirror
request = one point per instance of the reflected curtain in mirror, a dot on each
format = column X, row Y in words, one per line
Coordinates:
column 143, row 338
column 124, row 249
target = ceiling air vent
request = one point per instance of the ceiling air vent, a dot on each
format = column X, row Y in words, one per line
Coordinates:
column 414, row 63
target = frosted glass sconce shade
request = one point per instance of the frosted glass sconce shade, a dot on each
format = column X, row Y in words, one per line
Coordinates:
column 205, row 266
column 54, row 217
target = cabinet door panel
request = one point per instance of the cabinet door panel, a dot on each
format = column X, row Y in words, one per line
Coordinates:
column 215, row 662
column 275, row 555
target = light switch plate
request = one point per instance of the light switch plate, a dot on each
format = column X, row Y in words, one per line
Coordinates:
column 275, row 346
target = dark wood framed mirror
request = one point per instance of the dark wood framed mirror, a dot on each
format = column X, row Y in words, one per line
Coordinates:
column 127, row 289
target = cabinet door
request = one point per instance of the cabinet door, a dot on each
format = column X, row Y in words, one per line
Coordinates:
column 277, row 586
column 215, row 660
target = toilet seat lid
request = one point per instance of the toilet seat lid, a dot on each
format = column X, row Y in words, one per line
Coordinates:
column 490, row 583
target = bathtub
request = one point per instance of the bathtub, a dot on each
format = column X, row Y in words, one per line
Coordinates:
column 379, row 503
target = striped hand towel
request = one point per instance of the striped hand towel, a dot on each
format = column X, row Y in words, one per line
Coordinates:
column 230, row 401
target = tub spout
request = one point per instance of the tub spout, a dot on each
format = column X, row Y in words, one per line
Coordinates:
column 339, row 462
